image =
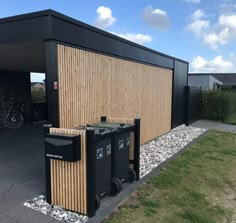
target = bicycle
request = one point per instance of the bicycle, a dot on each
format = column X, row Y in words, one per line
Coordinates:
column 12, row 117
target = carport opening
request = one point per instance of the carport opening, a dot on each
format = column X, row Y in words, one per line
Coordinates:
column 38, row 97
column 22, row 167
column 22, row 80
column 22, row 99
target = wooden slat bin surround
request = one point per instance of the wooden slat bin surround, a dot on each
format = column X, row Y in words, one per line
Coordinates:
column 69, row 179
column 71, row 185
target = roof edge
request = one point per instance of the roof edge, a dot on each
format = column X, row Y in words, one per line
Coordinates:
column 30, row 15
column 50, row 12
column 105, row 33
column 195, row 74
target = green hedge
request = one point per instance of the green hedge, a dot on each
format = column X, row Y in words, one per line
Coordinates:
column 38, row 96
column 218, row 104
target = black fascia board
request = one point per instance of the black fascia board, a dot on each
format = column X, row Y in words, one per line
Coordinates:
column 93, row 39
column 26, row 16
column 23, row 28
column 104, row 33
column 51, row 25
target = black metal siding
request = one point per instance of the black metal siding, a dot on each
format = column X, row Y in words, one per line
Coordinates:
column 179, row 93
column 51, row 78
column 23, row 56
column 83, row 37
column 25, row 30
column 194, row 104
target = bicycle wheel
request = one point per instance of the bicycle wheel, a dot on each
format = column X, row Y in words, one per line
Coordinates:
column 14, row 120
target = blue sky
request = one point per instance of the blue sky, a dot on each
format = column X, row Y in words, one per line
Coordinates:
column 202, row 32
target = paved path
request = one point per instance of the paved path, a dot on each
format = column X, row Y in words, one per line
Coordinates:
column 207, row 124
column 21, row 174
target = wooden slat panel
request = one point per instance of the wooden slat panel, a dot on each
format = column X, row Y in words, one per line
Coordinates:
column 92, row 85
column 120, row 120
column 68, row 179
column 131, row 147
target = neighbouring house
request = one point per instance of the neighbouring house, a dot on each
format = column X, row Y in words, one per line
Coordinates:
column 211, row 81
column 205, row 80
column 228, row 79
column 37, row 85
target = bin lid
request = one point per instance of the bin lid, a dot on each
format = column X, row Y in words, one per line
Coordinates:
column 97, row 131
column 111, row 125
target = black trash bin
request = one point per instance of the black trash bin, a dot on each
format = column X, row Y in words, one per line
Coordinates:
column 102, row 143
column 120, row 170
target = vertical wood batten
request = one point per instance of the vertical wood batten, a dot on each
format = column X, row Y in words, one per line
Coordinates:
column 68, row 177
column 92, row 85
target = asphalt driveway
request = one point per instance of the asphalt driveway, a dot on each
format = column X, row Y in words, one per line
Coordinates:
column 209, row 124
column 21, row 173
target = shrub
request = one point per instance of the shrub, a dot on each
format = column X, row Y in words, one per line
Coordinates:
column 218, row 104
column 38, row 96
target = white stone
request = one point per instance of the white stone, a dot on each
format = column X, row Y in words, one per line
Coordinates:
column 157, row 151
column 40, row 204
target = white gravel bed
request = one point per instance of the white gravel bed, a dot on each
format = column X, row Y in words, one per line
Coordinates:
column 152, row 154
column 40, row 204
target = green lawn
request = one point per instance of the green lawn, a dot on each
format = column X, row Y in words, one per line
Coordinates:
column 231, row 119
column 199, row 186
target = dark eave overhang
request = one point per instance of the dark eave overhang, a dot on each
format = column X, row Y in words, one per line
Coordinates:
column 51, row 25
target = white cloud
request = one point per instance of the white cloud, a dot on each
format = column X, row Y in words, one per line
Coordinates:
column 137, row 38
column 193, row 1
column 216, row 65
column 198, row 25
column 105, row 18
column 213, row 35
column 214, row 39
column 233, row 58
column 198, row 14
column 228, row 20
column 156, row 18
